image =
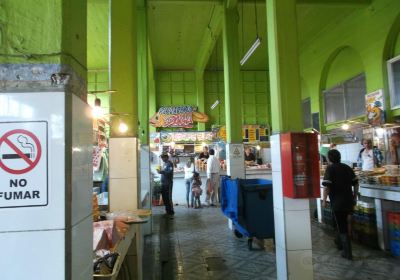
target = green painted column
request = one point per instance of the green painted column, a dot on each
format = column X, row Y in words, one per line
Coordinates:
column 200, row 97
column 143, row 85
column 152, row 88
column 124, row 66
column 233, row 97
column 293, row 232
column 284, row 67
column 41, row 38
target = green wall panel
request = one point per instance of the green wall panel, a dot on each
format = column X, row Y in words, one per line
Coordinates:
column 163, row 100
column 346, row 64
column 163, row 76
column 175, row 88
column 255, row 97
column 397, row 46
column 178, row 88
column 363, row 34
column 189, row 87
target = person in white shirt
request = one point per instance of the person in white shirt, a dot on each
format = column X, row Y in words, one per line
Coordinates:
column 369, row 156
column 189, row 169
column 213, row 177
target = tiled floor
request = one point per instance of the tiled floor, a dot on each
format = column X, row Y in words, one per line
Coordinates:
column 197, row 244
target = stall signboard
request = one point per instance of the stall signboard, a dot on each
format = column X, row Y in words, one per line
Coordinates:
column 254, row 133
column 375, row 108
column 177, row 116
column 250, row 133
column 187, row 137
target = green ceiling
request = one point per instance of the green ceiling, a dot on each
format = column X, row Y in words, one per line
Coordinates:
column 176, row 29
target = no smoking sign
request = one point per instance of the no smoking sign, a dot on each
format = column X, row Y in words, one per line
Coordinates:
column 23, row 164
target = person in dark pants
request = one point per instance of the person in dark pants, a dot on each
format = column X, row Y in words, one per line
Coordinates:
column 338, row 182
column 167, row 175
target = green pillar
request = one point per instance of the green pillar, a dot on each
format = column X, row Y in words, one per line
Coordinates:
column 152, row 88
column 41, row 38
column 123, row 66
column 143, row 85
column 284, row 67
column 233, row 97
column 200, row 97
column 293, row 259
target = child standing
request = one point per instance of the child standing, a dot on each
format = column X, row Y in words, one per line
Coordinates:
column 196, row 190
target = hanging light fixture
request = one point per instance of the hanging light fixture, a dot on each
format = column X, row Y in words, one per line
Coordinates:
column 123, row 127
column 256, row 43
column 215, row 104
column 97, row 111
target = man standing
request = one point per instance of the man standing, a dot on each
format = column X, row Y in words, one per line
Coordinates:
column 338, row 183
column 205, row 154
column 167, row 175
column 369, row 156
column 213, row 178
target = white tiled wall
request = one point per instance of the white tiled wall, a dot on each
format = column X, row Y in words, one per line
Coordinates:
column 292, row 226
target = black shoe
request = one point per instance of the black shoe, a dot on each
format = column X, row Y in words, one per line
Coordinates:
column 347, row 253
column 338, row 243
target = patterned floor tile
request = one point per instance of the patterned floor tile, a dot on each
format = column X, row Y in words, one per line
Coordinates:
column 179, row 248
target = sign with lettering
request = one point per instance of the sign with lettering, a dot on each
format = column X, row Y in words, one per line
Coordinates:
column 187, row 137
column 177, row 116
column 23, row 164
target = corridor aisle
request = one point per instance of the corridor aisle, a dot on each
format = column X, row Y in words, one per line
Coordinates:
column 197, row 244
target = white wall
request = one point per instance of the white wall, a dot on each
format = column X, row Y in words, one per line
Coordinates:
column 349, row 152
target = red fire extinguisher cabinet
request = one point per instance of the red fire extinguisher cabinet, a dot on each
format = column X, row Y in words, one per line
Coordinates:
column 300, row 165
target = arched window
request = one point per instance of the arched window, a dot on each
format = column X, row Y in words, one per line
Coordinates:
column 346, row 100
column 394, row 81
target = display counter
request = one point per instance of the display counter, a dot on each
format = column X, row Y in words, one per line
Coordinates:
column 386, row 198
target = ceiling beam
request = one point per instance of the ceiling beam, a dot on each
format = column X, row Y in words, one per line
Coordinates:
column 334, row 2
column 209, row 39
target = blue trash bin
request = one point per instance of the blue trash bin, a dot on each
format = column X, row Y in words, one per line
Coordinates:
column 229, row 202
column 256, row 208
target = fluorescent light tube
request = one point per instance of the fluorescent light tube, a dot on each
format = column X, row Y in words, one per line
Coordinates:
column 255, row 45
column 215, row 104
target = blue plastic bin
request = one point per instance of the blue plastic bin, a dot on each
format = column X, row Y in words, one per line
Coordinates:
column 229, row 201
column 256, row 208
column 249, row 204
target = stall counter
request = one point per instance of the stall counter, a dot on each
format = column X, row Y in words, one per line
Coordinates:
column 382, row 195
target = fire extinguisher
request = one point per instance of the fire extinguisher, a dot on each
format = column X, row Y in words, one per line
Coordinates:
column 300, row 181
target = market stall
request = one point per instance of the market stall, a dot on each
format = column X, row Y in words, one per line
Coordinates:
column 183, row 146
column 379, row 192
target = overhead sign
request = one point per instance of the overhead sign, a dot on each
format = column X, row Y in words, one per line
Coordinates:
column 177, row 116
column 23, row 164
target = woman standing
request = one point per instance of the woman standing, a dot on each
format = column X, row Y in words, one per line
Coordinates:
column 189, row 169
